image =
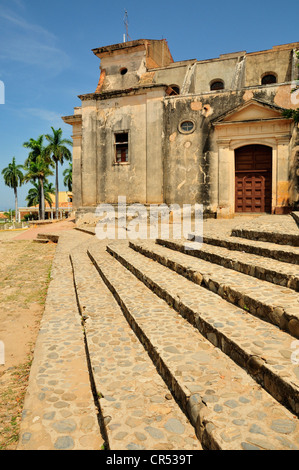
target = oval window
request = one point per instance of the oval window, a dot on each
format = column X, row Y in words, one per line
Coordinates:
column 187, row 127
column 123, row 71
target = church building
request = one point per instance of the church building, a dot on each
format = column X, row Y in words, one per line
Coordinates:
column 209, row 132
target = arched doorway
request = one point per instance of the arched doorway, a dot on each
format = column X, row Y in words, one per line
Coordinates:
column 253, row 179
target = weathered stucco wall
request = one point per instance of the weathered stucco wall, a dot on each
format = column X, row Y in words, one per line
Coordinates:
column 166, row 164
column 127, row 178
column 208, row 71
column 278, row 62
column 186, row 156
column 140, row 179
column 198, row 168
column 294, row 167
column 134, row 63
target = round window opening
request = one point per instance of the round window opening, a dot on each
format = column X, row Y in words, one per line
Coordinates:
column 123, row 71
column 187, row 127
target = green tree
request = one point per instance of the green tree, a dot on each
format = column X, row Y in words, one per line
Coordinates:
column 36, row 147
column 37, row 155
column 13, row 178
column 68, row 177
column 32, row 197
column 39, row 170
column 9, row 215
column 57, row 149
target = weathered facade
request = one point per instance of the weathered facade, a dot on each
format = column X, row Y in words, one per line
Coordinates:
column 209, row 131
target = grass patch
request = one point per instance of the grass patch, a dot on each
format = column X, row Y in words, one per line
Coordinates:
column 25, row 273
column 12, row 397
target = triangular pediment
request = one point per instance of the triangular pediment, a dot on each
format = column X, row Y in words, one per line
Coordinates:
column 252, row 110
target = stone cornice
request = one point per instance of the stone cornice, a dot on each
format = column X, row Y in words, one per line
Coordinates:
column 119, row 93
column 76, row 118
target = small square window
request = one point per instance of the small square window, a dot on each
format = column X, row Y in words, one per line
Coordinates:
column 121, row 143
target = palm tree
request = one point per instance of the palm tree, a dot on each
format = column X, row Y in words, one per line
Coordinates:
column 13, row 177
column 37, row 154
column 38, row 170
column 59, row 152
column 36, row 146
column 33, row 195
column 68, row 177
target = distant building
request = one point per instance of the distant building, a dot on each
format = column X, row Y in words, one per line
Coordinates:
column 65, row 207
column 195, row 131
column 3, row 217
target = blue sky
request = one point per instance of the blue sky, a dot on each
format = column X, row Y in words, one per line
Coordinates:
column 46, row 59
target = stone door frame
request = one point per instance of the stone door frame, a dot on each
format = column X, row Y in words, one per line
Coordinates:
column 232, row 135
column 253, row 179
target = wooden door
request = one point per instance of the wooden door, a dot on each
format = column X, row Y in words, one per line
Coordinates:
column 253, row 179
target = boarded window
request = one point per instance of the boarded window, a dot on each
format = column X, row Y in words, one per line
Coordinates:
column 121, row 143
column 173, row 90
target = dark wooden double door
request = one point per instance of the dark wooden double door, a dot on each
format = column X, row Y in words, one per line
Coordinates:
column 253, row 179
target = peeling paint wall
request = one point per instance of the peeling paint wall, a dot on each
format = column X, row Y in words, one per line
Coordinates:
column 140, row 179
column 165, row 163
column 186, row 156
column 278, row 62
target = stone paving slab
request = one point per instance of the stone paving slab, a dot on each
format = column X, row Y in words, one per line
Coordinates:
column 246, row 339
column 276, row 304
column 227, row 407
column 138, row 410
column 59, row 409
column 280, row 237
column 277, row 272
column 269, row 224
column 54, row 227
column 295, row 215
column 285, row 253
column 267, row 236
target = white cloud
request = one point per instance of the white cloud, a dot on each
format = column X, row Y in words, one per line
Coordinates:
column 29, row 43
column 21, row 23
column 46, row 115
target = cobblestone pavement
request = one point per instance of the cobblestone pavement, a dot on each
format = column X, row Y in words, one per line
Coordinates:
column 145, row 345
column 59, row 409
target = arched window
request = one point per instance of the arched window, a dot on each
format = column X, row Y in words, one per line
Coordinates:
column 269, row 78
column 173, row 90
column 217, row 85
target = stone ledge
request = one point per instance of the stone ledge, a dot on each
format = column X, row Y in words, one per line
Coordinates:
column 195, row 304
column 275, row 304
column 59, row 410
column 192, row 363
column 136, row 405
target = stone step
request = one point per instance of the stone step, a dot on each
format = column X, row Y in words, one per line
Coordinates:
column 295, row 215
column 260, row 348
column 228, row 409
column 275, row 304
column 41, row 240
column 277, row 272
column 48, row 236
column 274, row 236
column 137, row 408
column 59, row 411
column 287, row 254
